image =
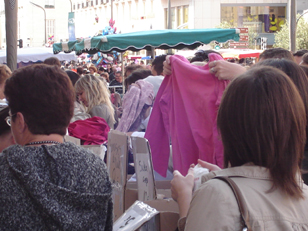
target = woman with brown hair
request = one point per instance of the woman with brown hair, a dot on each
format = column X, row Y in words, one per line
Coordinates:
column 262, row 122
column 46, row 183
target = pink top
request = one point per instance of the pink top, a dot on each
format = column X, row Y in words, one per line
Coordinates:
column 185, row 112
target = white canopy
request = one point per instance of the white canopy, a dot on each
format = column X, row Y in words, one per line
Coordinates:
column 35, row 54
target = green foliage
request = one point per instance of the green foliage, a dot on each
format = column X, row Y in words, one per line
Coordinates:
column 251, row 34
column 282, row 37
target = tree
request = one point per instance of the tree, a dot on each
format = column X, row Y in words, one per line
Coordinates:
column 251, row 34
column 282, row 37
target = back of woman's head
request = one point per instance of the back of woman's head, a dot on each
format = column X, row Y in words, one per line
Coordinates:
column 262, row 120
column 45, row 97
column 95, row 90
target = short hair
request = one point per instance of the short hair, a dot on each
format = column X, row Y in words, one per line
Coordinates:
column 106, row 76
column 136, row 75
column 73, row 76
column 268, row 126
column 44, row 95
column 96, row 92
column 300, row 53
column 119, row 72
column 101, row 69
column 5, row 73
column 203, row 55
column 158, row 64
column 80, row 70
column 130, row 68
column 52, row 61
column 276, row 53
column 305, row 59
column 93, row 68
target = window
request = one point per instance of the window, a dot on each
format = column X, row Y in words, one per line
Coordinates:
column 96, row 2
column 261, row 19
column 74, row 7
column 50, row 4
column 91, row 3
column 82, row 5
column 179, row 15
column 50, row 27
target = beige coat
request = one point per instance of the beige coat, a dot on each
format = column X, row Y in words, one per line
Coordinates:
column 214, row 206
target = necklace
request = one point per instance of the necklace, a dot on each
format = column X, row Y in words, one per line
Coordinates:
column 43, row 142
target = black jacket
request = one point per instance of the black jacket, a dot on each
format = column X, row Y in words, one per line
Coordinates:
column 57, row 187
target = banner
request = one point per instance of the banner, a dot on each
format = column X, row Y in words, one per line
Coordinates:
column 71, row 26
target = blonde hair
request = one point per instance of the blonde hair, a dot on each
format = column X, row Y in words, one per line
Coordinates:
column 5, row 73
column 96, row 92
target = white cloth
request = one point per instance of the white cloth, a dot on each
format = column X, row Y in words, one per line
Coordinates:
column 156, row 82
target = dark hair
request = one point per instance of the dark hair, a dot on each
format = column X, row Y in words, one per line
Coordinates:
column 52, row 61
column 203, row 55
column 136, row 75
column 4, row 127
column 79, row 70
column 296, row 74
column 268, row 126
column 300, row 53
column 119, row 72
column 73, row 76
column 45, row 97
column 276, row 53
column 131, row 68
column 158, row 64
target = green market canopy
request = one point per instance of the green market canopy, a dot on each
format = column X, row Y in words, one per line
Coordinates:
column 161, row 39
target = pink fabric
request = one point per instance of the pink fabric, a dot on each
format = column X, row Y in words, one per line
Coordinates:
column 185, row 111
column 139, row 94
column 92, row 131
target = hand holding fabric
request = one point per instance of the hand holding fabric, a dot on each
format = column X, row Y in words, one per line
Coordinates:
column 167, row 70
column 224, row 70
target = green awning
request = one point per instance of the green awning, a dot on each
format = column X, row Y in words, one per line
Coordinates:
column 161, row 39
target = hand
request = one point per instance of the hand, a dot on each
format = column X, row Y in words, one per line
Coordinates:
column 224, row 70
column 210, row 167
column 167, row 70
column 182, row 186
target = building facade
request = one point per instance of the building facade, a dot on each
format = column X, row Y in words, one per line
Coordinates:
column 92, row 16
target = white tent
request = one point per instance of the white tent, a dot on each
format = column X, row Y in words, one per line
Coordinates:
column 36, row 54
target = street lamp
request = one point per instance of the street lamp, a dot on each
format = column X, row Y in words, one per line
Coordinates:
column 44, row 18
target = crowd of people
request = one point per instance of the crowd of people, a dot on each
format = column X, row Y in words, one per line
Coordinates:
column 257, row 120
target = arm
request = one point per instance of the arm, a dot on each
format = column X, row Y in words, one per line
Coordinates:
column 224, row 70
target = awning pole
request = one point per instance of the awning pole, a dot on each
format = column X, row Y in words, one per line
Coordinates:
column 123, row 86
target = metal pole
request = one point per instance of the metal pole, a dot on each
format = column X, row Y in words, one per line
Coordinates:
column 44, row 18
column 111, row 1
column 11, row 7
column 292, row 24
column 169, row 21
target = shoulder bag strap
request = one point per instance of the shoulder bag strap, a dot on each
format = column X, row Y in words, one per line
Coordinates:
column 240, row 200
